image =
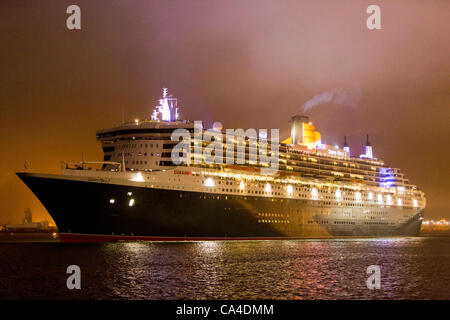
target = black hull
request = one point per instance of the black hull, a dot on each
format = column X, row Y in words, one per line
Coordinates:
column 83, row 209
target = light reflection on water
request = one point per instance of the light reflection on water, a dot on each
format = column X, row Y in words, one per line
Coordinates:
column 293, row 269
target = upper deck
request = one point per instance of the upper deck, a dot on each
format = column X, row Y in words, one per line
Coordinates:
column 147, row 146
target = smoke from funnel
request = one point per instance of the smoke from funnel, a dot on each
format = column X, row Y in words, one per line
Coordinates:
column 342, row 96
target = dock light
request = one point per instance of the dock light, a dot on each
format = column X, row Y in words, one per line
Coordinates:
column 267, row 188
column 209, row 182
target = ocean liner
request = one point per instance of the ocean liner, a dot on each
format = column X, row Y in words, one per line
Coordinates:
column 139, row 193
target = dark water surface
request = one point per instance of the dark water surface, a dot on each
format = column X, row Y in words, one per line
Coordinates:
column 411, row 268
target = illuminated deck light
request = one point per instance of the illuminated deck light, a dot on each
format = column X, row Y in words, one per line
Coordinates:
column 388, row 198
column 267, row 188
column 314, row 194
column 112, row 201
column 242, row 185
column 358, row 196
column 370, row 196
column 338, row 194
column 415, row 203
column 380, row 198
column 131, row 202
column 138, row 177
column 129, row 193
column 399, row 202
column 290, row 189
column 209, row 182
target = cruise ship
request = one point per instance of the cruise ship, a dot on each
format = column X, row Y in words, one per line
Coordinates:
column 138, row 192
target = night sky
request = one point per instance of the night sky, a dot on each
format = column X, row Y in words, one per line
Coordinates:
column 244, row 63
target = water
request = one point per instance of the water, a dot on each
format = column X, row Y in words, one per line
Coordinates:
column 411, row 268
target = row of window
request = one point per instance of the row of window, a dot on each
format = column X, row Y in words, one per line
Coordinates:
column 345, row 222
column 142, row 145
column 376, row 223
column 277, row 215
column 130, row 154
column 273, row 221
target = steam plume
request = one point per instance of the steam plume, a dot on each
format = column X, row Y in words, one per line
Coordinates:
column 342, row 96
